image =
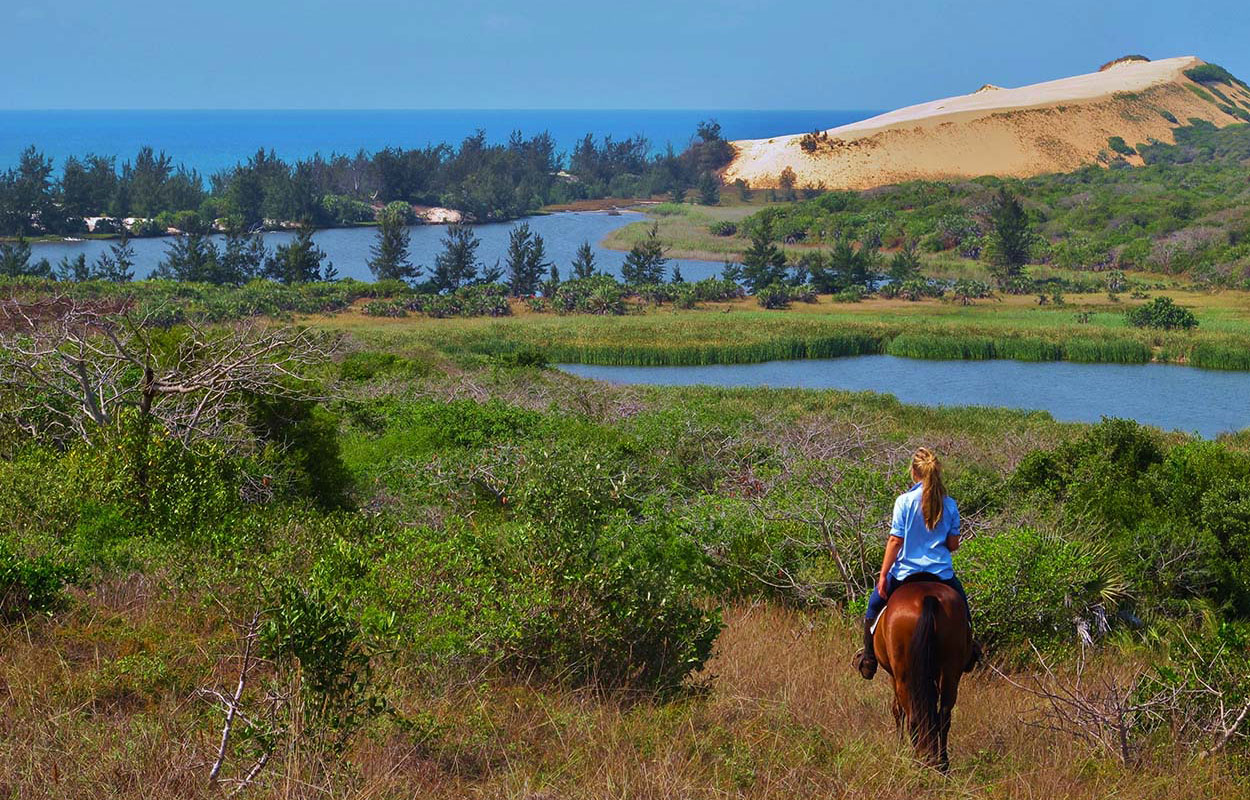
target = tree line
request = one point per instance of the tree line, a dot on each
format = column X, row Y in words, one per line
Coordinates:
column 488, row 182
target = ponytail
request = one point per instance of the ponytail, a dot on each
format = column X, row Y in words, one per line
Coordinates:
column 927, row 467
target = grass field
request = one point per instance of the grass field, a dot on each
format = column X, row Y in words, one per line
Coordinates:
column 739, row 331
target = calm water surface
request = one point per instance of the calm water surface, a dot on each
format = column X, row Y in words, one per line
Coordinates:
column 1205, row 402
column 348, row 248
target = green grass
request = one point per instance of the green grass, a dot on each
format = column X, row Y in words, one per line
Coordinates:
column 741, row 333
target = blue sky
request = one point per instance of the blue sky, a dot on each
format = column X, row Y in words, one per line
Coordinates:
column 577, row 54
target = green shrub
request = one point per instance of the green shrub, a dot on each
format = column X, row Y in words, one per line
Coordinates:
column 851, row 294
column 30, row 585
column 1212, row 73
column 1118, row 144
column 723, row 228
column 773, row 297
column 1029, row 587
column 1162, row 313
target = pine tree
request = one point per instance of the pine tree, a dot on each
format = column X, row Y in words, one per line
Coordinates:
column 764, row 263
column 1010, row 239
column 709, row 189
column 190, row 257
column 118, row 264
column 457, row 265
column 299, row 261
column 75, row 269
column 905, row 264
column 526, row 260
column 677, row 276
column 389, row 259
column 15, row 258
column 584, row 261
column 646, row 260
column 243, row 258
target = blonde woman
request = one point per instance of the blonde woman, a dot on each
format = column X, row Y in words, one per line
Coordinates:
column 923, row 535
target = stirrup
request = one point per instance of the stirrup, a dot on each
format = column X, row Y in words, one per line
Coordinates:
column 865, row 664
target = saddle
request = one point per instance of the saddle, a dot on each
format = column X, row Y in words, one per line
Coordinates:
column 915, row 577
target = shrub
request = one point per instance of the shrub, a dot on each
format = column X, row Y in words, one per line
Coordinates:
column 851, row 294
column 1118, row 144
column 30, row 585
column 385, row 308
column 1162, row 313
column 723, row 228
column 1025, row 586
column 773, row 297
column 1212, row 73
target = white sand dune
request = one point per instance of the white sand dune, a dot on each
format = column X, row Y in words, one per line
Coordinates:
column 1046, row 127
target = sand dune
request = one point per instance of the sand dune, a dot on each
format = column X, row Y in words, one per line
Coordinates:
column 1054, row 126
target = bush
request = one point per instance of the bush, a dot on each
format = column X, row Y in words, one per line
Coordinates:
column 773, row 297
column 1212, row 73
column 1029, row 587
column 723, row 228
column 1162, row 313
column 1118, row 144
column 385, row 308
column 851, row 294
column 30, row 585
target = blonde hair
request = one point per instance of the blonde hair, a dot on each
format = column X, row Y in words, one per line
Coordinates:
column 925, row 465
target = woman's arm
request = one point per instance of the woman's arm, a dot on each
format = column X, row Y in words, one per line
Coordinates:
column 953, row 537
column 892, row 547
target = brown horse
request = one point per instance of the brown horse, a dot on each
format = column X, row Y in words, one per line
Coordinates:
column 923, row 640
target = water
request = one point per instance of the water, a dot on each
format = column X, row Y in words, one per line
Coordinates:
column 212, row 140
column 1204, row 402
column 348, row 248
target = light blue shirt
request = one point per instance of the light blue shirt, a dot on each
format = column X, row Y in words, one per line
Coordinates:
column 923, row 550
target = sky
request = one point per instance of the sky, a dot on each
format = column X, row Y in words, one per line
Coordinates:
column 635, row 54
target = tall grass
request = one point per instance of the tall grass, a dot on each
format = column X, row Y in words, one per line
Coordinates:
column 700, row 338
column 1212, row 355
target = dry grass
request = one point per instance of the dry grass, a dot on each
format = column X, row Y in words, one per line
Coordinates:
column 782, row 716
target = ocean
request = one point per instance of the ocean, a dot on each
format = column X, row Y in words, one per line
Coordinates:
column 209, row 141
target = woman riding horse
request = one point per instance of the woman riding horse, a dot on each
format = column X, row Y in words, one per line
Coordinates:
column 923, row 534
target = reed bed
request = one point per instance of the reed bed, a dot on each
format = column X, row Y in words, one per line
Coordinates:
column 701, row 338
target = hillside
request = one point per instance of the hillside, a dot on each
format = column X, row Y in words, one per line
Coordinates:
column 1054, row 126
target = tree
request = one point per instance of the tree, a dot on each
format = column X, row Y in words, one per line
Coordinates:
column 526, row 261
column 74, row 269
column 1010, row 239
column 299, row 261
column 646, row 260
column 584, row 261
column 677, row 276
column 15, row 258
column 787, row 181
column 764, row 263
column 190, row 257
column 905, row 264
column 76, row 368
column 457, row 265
column 243, row 257
column 118, row 264
column 552, row 284
column 709, row 189
column 389, row 259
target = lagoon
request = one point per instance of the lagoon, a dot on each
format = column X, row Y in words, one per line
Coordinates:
column 1204, row 402
column 348, row 248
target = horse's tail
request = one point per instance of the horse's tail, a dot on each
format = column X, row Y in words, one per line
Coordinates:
column 922, row 676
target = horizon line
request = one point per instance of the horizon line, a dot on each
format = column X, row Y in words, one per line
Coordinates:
column 384, row 109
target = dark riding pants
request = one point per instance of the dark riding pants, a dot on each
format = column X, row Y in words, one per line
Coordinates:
column 876, row 603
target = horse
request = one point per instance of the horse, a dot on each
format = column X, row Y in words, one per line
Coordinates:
column 924, row 642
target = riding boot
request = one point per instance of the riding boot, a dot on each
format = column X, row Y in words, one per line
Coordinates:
column 866, row 659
